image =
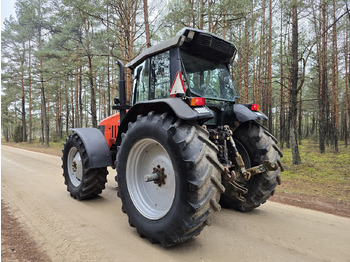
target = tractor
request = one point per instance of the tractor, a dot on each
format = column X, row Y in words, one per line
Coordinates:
column 183, row 147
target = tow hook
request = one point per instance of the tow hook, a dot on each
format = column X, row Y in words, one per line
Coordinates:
column 232, row 187
column 237, row 191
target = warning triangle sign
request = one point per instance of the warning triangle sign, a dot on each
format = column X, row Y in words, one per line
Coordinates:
column 178, row 86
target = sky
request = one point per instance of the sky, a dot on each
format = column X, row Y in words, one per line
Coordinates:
column 7, row 9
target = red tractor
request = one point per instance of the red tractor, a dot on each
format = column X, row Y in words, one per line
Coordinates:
column 183, row 148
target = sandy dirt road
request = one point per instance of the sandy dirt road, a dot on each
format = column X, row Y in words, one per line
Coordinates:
column 97, row 230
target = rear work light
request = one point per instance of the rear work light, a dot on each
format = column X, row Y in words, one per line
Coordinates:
column 197, row 101
column 255, row 107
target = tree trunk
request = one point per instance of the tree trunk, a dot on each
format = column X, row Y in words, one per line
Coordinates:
column 127, row 37
column 239, row 61
column 335, row 96
column 294, row 87
column 224, row 26
column 300, row 122
column 108, row 67
column 59, row 110
column 48, row 108
column 46, row 131
column 76, row 98
column 282, row 124
column 262, row 77
column 43, row 108
column 23, row 113
column 347, row 84
column 148, row 35
column 80, row 96
column 67, row 107
column 210, row 16
column 255, row 87
column 6, row 126
column 71, row 95
column 323, row 92
column 30, row 93
column 86, row 110
column 91, row 77
column 201, row 14
column 269, row 72
column 287, row 106
column 246, row 56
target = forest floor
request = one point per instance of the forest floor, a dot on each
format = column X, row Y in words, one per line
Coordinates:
column 321, row 182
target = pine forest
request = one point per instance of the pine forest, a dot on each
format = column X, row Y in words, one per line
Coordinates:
column 59, row 62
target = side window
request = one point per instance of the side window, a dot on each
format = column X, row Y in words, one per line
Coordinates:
column 141, row 82
column 160, row 81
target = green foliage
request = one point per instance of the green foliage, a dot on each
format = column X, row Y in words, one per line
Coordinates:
column 56, row 138
column 18, row 134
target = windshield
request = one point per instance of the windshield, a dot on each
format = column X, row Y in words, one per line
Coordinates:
column 208, row 79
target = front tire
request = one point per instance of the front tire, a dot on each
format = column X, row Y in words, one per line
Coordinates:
column 256, row 145
column 178, row 208
column 82, row 182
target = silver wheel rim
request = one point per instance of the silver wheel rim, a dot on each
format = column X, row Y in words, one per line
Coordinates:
column 151, row 200
column 75, row 167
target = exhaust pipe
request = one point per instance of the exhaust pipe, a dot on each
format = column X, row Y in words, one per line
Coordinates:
column 122, row 94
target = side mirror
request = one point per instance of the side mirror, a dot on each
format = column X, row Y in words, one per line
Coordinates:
column 116, row 105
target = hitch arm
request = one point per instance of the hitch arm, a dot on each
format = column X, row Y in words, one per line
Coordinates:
column 266, row 166
column 238, row 157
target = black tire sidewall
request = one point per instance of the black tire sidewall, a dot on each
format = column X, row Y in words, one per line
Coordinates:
column 256, row 155
column 71, row 143
column 249, row 145
column 151, row 228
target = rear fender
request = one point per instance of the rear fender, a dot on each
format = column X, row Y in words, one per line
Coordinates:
column 244, row 114
column 96, row 147
column 172, row 105
column 236, row 114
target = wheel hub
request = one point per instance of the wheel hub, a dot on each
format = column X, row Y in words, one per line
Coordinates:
column 161, row 175
column 148, row 161
column 75, row 166
column 158, row 176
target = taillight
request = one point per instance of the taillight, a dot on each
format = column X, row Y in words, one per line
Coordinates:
column 255, row 107
column 197, row 101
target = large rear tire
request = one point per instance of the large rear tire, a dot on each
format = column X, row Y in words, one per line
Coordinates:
column 173, row 209
column 82, row 182
column 256, row 145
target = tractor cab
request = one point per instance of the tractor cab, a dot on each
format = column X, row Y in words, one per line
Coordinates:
column 194, row 64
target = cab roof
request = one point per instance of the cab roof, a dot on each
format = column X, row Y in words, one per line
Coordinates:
column 194, row 41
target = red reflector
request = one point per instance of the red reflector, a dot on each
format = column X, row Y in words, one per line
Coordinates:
column 178, row 87
column 197, row 101
column 255, row 107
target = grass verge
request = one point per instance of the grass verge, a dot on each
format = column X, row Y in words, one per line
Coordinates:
column 321, row 182
column 55, row 148
column 319, row 175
